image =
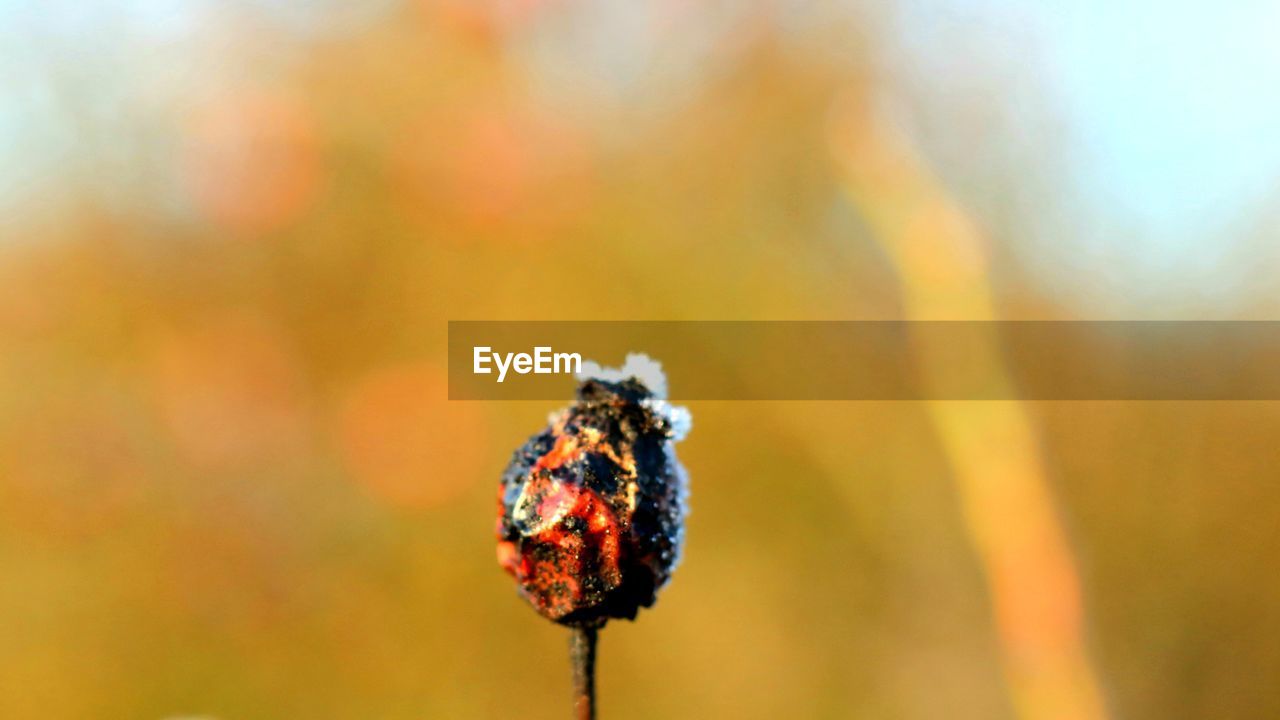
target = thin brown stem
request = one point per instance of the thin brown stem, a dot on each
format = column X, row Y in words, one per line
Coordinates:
column 582, row 654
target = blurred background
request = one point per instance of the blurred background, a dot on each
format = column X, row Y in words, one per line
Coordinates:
column 231, row 234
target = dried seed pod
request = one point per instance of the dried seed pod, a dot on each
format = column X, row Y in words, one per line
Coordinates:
column 591, row 509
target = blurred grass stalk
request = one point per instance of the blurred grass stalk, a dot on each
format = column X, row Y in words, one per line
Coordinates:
column 941, row 263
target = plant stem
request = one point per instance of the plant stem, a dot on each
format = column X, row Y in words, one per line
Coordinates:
column 582, row 655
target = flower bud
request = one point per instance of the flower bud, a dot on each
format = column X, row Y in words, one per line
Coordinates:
column 591, row 509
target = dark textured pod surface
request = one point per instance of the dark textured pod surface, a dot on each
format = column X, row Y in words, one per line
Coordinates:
column 591, row 509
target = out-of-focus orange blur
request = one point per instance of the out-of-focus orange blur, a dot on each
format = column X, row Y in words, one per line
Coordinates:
column 231, row 235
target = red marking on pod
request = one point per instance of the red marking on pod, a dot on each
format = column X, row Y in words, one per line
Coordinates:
column 566, row 449
column 550, row 565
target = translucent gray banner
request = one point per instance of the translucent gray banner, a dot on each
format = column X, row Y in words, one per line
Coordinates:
column 874, row 360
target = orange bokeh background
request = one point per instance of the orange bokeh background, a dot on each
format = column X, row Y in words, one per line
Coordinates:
column 232, row 485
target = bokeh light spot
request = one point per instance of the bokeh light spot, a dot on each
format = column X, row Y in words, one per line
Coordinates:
column 71, row 470
column 405, row 442
column 496, row 167
column 229, row 391
column 253, row 163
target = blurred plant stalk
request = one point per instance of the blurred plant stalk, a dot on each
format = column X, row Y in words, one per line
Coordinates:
column 941, row 262
column 582, row 657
